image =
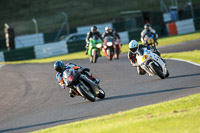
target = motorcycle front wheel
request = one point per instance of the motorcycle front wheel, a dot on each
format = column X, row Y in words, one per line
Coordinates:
column 86, row 93
column 157, row 70
column 109, row 53
column 94, row 55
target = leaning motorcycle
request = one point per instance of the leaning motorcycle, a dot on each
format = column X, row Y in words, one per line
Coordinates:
column 94, row 49
column 151, row 63
column 150, row 43
column 78, row 79
column 109, row 47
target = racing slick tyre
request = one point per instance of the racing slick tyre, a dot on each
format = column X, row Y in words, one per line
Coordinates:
column 101, row 94
column 91, row 59
column 86, row 93
column 140, row 71
column 167, row 75
column 94, row 53
column 157, row 70
column 109, row 53
column 117, row 54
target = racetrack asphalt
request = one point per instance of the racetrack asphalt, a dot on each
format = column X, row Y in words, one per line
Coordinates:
column 31, row 99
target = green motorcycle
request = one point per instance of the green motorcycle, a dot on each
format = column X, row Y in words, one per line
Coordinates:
column 94, row 49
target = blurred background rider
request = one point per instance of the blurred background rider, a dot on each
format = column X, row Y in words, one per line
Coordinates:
column 93, row 32
column 148, row 31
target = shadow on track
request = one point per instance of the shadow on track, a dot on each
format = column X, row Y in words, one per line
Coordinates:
column 181, row 76
column 40, row 124
column 148, row 93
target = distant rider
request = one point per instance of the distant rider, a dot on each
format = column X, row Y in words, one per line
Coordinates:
column 60, row 68
column 148, row 31
column 93, row 32
column 108, row 32
column 133, row 47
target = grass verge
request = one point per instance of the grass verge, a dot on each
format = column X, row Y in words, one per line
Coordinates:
column 81, row 55
column 193, row 56
column 181, row 115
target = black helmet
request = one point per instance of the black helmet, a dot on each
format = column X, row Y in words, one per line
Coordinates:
column 147, row 27
column 93, row 29
column 58, row 66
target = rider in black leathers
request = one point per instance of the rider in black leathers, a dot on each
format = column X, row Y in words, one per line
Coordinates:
column 93, row 32
column 108, row 32
column 60, row 68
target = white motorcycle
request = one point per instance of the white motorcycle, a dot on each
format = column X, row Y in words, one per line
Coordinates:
column 151, row 63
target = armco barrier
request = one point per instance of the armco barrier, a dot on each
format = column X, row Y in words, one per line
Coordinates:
column 185, row 26
column 20, row 54
column 124, row 37
column 76, row 46
column 51, row 49
column 181, row 27
column 1, row 57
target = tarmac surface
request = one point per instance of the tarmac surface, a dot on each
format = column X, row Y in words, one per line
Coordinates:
column 31, row 98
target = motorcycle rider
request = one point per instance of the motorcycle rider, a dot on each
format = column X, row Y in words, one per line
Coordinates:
column 108, row 32
column 93, row 32
column 60, row 68
column 148, row 31
column 133, row 47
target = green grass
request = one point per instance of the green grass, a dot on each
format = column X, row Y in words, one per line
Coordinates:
column 162, row 42
column 176, row 116
column 193, row 56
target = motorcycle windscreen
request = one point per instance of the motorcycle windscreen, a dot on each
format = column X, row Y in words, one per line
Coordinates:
column 140, row 51
column 109, row 38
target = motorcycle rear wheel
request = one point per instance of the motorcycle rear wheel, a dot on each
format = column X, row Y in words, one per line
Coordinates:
column 101, row 94
column 117, row 54
column 87, row 94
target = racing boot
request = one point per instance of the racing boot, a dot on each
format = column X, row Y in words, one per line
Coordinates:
column 72, row 94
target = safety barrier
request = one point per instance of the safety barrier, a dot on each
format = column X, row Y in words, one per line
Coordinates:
column 50, row 49
column 29, row 40
column 1, row 57
column 20, row 54
column 76, row 46
column 181, row 27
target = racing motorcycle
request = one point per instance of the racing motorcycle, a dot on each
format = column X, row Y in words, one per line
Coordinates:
column 94, row 49
column 109, row 47
column 151, row 63
column 78, row 78
column 150, row 43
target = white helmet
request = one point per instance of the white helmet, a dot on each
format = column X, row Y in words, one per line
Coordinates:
column 108, row 29
column 133, row 45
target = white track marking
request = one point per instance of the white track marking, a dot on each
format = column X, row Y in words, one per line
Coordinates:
column 2, row 65
column 184, row 61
